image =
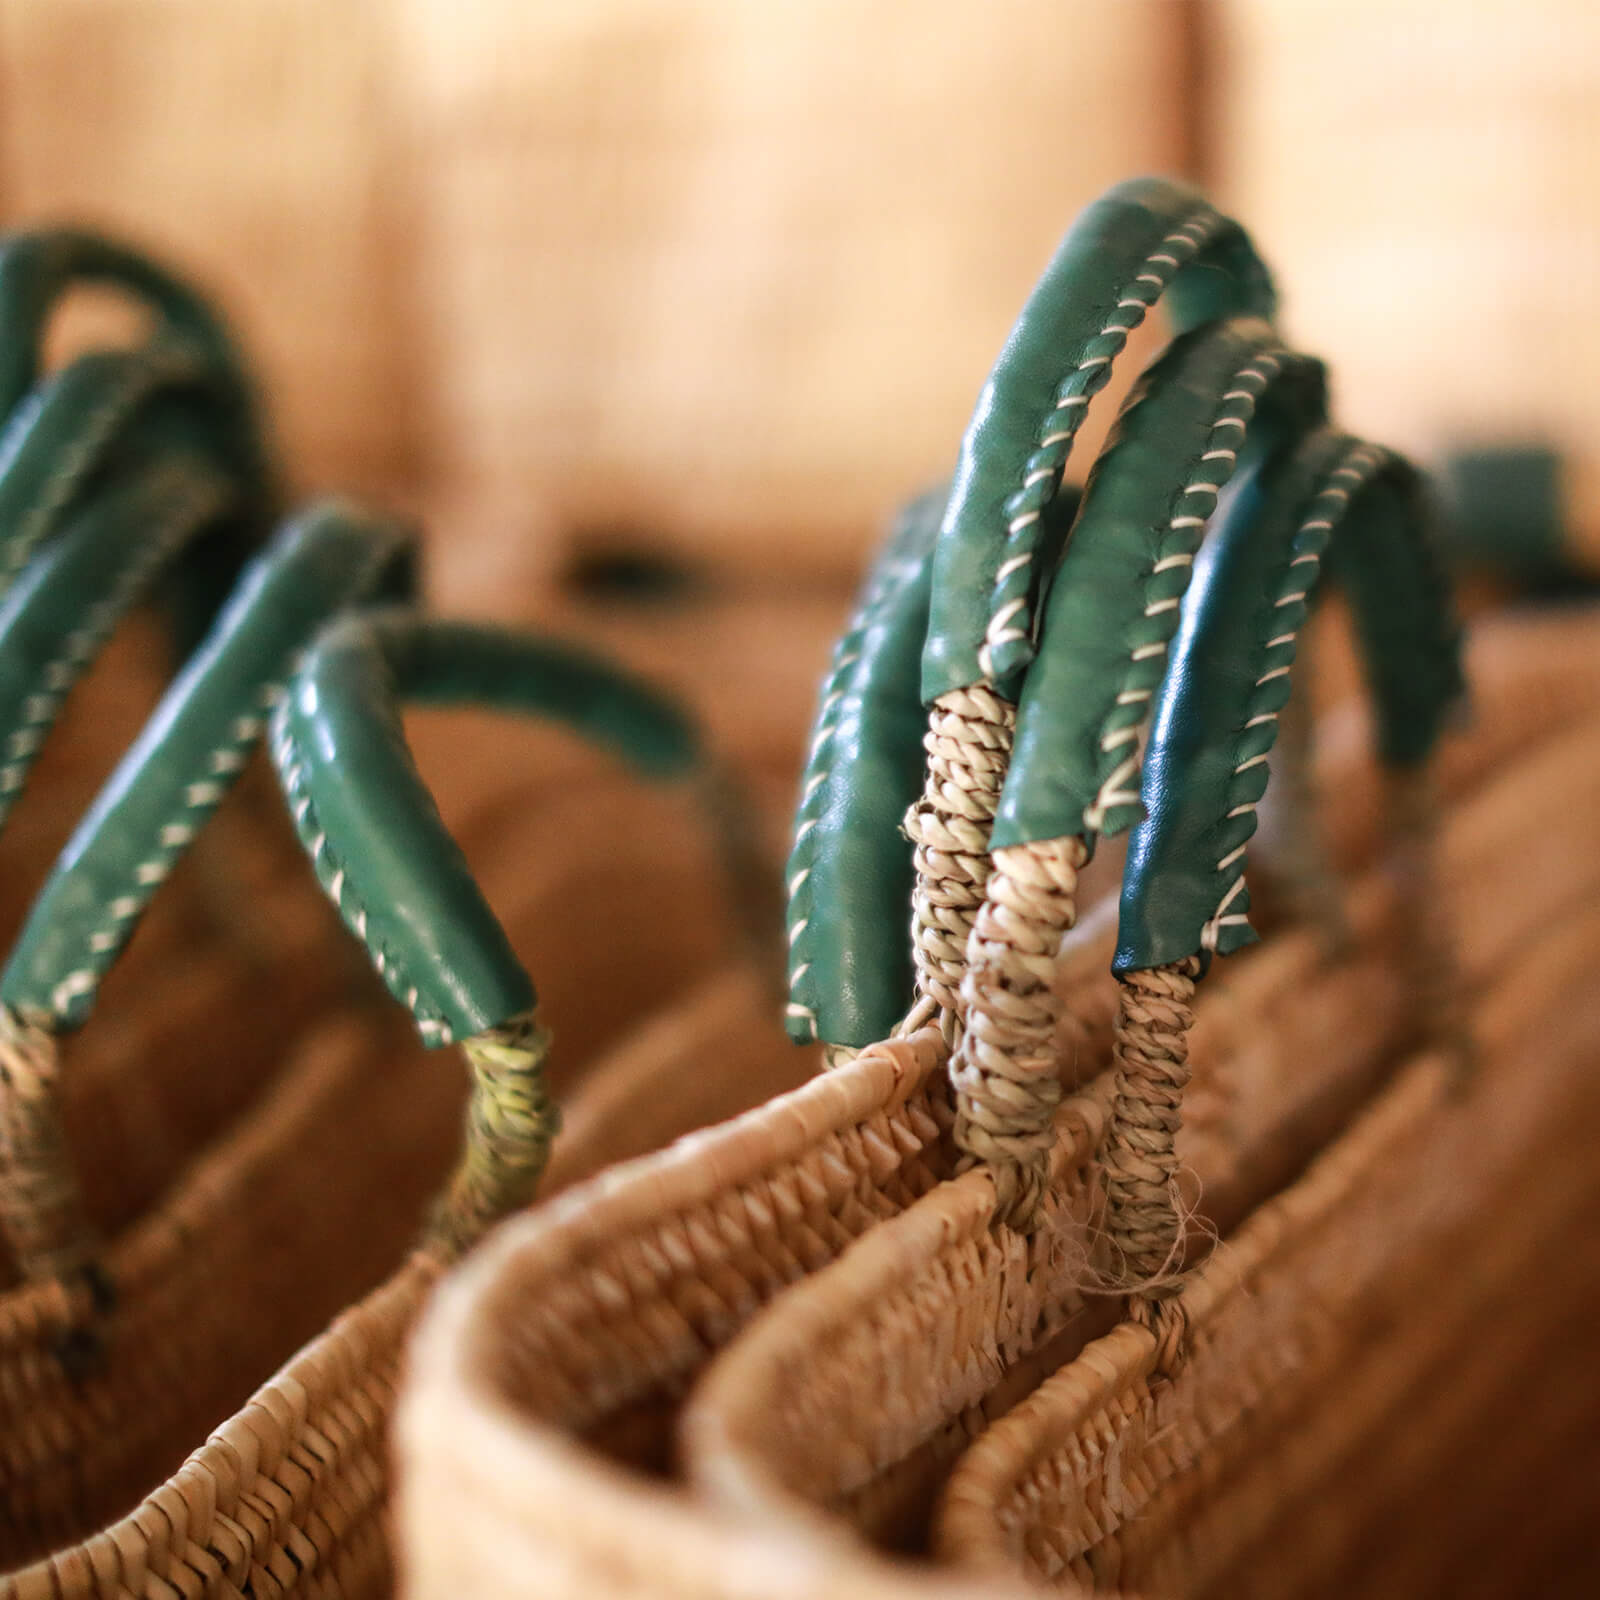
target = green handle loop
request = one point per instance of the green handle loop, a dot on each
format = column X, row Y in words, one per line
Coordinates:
column 850, row 871
column 104, row 408
column 1116, row 599
column 56, row 617
column 37, row 268
column 189, row 753
column 374, row 834
column 1143, row 239
column 1333, row 502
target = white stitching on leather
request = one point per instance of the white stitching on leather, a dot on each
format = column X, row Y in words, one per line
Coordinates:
column 1360, row 464
column 1174, row 251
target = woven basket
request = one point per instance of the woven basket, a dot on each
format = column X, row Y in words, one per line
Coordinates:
column 292, row 1486
column 556, row 1361
column 855, row 1393
column 237, row 1209
column 1320, row 1385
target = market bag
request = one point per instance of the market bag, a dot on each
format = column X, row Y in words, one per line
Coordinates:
column 127, row 1353
column 498, row 1496
column 1338, row 1425
column 503, row 1484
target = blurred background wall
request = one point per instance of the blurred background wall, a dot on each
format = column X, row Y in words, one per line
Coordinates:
column 722, row 278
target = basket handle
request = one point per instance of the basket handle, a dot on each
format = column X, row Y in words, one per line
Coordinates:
column 38, row 267
column 1084, row 711
column 1359, row 510
column 386, row 860
column 1143, row 240
column 112, row 451
column 155, row 802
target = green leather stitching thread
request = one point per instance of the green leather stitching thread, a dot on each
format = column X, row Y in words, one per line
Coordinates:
column 188, row 755
column 1116, row 600
column 367, row 819
column 95, row 572
column 1324, row 491
column 1140, row 240
column 850, row 976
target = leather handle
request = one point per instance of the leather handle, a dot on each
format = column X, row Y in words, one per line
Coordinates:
column 39, row 267
column 849, row 875
column 1334, row 502
column 58, row 614
column 1143, row 240
column 371, row 827
column 1115, row 603
column 71, row 425
column 189, row 753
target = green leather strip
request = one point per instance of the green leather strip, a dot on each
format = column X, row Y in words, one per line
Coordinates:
column 1116, row 598
column 1142, row 240
column 189, row 753
column 1333, row 502
column 62, row 434
column 38, row 268
column 56, row 617
column 849, row 875
column 371, row 827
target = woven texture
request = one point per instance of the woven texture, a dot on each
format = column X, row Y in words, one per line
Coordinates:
column 1317, row 1330
column 287, row 1497
column 852, row 1394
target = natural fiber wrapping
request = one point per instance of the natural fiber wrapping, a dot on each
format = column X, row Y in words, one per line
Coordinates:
column 1323, row 1324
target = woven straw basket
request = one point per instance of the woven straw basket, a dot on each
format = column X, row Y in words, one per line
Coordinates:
column 550, row 1371
column 290, row 1490
column 856, row 1392
column 1327, row 1342
column 242, row 1209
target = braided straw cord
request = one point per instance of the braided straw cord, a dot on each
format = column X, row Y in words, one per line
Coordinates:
column 1144, row 1217
column 511, row 1121
column 1243, row 1474
column 969, row 746
column 41, row 1206
column 1005, row 1068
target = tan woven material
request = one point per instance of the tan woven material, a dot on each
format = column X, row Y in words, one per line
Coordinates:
column 291, row 1489
column 1006, row 1069
column 969, row 746
column 1187, row 1485
column 856, row 1392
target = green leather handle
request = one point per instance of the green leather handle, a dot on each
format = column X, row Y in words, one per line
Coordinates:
column 189, row 753
column 56, row 617
column 1116, row 598
column 371, row 827
column 850, row 871
column 1336, row 502
column 103, row 406
column 1144, row 239
column 849, row 874
column 38, row 268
